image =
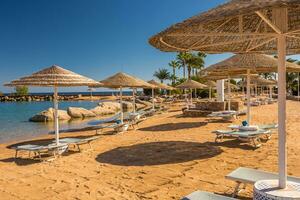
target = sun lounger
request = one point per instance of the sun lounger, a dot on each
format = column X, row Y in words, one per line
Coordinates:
column 106, row 120
column 39, row 150
column 225, row 115
column 79, row 141
column 247, row 136
column 262, row 126
column 201, row 195
column 243, row 176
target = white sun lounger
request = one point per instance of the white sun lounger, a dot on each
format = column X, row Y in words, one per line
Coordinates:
column 249, row 136
column 39, row 150
column 243, row 176
column 202, row 195
column 79, row 141
column 263, row 126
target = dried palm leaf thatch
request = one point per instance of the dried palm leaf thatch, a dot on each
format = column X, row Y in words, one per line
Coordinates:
column 256, row 63
column 260, row 82
column 191, row 84
column 238, row 26
column 54, row 76
column 161, row 85
column 124, row 80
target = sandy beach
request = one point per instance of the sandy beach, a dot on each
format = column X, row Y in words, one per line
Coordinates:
column 169, row 156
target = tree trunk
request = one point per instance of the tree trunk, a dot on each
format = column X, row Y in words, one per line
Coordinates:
column 183, row 71
column 174, row 75
column 189, row 72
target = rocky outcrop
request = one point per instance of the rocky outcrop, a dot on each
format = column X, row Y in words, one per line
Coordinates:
column 76, row 112
column 48, row 115
column 109, row 105
column 35, row 98
column 99, row 111
column 127, row 106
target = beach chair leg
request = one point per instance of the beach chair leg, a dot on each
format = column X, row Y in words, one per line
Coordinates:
column 236, row 189
column 78, row 148
column 256, row 142
column 16, row 154
column 90, row 145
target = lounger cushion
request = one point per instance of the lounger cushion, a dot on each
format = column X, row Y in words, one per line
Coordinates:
column 201, row 195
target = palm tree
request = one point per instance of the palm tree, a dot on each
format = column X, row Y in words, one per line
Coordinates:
column 182, row 58
column 195, row 62
column 162, row 74
column 174, row 64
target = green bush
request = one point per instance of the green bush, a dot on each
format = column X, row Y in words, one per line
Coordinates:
column 21, row 90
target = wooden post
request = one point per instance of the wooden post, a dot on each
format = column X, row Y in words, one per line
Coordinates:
column 56, row 120
column 280, row 19
column 229, row 94
column 248, row 96
column 121, row 105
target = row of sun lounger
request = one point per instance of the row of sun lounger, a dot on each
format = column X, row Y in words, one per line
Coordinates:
column 242, row 176
column 131, row 119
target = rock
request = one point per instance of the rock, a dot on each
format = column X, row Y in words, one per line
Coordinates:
column 48, row 115
column 100, row 110
column 127, row 106
column 75, row 112
column 109, row 105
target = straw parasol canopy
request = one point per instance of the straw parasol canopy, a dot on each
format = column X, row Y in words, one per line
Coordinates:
column 54, row 76
column 256, row 63
column 261, row 82
column 160, row 85
column 126, row 81
column 191, row 84
column 211, row 83
column 236, row 26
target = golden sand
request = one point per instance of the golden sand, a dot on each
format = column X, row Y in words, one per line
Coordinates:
column 168, row 157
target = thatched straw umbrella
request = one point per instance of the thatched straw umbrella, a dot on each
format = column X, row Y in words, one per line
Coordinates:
column 158, row 86
column 55, row 77
column 244, row 26
column 191, row 84
column 122, row 80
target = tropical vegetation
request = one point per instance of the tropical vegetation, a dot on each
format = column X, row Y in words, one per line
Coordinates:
column 21, row 91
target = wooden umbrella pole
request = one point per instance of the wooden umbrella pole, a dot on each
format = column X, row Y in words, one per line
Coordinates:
column 248, row 96
column 229, row 94
column 153, row 105
column 121, row 105
column 209, row 93
column 298, row 86
column 56, row 122
column 133, row 99
column 282, row 158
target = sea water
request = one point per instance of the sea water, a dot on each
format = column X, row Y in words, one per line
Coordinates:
column 14, row 119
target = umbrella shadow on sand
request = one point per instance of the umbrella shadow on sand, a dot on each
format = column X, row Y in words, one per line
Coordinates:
column 174, row 126
column 159, row 153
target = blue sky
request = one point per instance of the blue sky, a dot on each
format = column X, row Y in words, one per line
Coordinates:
column 96, row 38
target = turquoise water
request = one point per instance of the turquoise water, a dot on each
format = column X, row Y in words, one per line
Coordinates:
column 14, row 124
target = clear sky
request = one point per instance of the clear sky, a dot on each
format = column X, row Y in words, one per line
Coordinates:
column 95, row 38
